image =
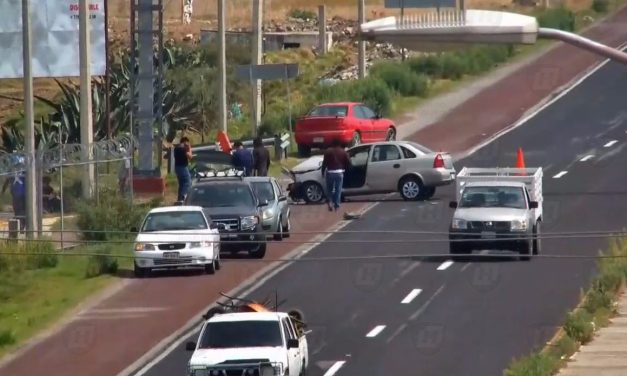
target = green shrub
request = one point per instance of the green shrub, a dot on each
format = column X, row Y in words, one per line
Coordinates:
column 27, row 256
column 102, row 263
column 533, row 365
column 579, row 326
column 401, row 79
column 113, row 215
column 565, row 346
column 41, row 256
column 597, row 299
column 372, row 91
column 7, row 338
column 303, row 14
column 601, row 6
column 430, row 65
column 558, row 18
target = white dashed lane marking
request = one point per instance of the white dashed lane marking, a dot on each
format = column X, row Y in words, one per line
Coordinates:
column 411, row 296
column 376, row 331
column 334, row 368
column 609, row 144
column 586, row 158
column 445, row 265
column 562, row 173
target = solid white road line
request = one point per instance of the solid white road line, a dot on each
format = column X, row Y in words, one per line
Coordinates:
column 334, row 368
column 609, row 144
column 445, row 265
column 562, row 173
column 586, row 158
column 411, row 296
column 375, row 332
column 424, row 306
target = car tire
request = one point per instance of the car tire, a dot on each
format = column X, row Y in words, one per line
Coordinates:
column 411, row 188
column 537, row 241
column 140, row 272
column 525, row 254
column 428, row 193
column 210, row 268
column 287, row 228
column 304, row 151
column 260, row 252
column 218, row 263
column 313, row 193
column 355, row 140
column 278, row 235
column 391, row 135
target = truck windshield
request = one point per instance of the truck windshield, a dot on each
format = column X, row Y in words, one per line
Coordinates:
column 237, row 334
column 493, row 197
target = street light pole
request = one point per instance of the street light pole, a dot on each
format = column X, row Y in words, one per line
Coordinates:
column 29, row 112
column 87, row 133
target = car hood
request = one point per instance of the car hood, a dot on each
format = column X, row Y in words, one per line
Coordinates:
column 309, row 164
column 231, row 212
column 490, row 214
column 210, row 357
column 174, row 236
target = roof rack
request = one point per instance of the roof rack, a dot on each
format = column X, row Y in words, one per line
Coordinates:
column 213, row 174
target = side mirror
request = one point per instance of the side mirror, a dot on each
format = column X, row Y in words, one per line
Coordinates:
column 263, row 203
column 533, row 204
column 133, row 229
column 283, row 198
column 292, row 344
column 190, row 346
column 452, row 204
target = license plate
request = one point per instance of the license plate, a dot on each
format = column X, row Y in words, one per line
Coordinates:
column 488, row 235
column 170, row 255
column 318, row 139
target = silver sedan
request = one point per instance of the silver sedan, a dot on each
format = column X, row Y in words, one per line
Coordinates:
column 276, row 215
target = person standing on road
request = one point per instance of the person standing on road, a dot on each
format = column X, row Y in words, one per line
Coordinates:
column 18, row 194
column 182, row 156
column 243, row 159
column 261, row 157
column 334, row 164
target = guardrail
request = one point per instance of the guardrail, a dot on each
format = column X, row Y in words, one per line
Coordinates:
column 280, row 143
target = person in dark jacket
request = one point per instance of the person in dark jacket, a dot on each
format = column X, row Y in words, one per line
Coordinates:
column 182, row 156
column 18, row 194
column 334, row 164
column 243, row 159
column 261, row 157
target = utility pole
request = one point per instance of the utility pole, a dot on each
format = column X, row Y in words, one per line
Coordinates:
column 257, row 49
column 322, row 28
column 87, row 132
column 362, row 44
column 222, row 120
column 31, row 172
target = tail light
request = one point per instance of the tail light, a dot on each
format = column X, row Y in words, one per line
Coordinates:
column 438, row 162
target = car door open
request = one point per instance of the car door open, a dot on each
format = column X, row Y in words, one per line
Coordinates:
column 355, row 176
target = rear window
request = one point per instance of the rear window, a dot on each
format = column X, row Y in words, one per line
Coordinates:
column 329, row 111
column 422, row 148
column 221, row 195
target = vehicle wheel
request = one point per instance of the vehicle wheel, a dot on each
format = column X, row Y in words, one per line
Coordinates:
column 537, row 242
column 304, row 151
column 428, row 192
column 211, row 268
column 279, row 230
column 217, row 262
column 525, row 254
column 391, row 136
column 356, row 140
column 140, row 272
column 260, row 252
column 411, row 188
column 288, row 227
column 313, row 192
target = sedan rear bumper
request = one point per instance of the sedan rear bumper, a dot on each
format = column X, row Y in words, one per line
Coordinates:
column 323, row 138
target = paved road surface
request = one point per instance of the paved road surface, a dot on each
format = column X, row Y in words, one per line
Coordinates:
column 468, row 318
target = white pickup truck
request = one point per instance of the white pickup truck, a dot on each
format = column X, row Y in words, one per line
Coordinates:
column 249, row 343
column 497, row 209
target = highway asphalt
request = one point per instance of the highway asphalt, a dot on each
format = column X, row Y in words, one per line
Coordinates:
column 465, row 318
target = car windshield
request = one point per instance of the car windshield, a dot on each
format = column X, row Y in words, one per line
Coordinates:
column 263, row 190
column 329, row 111
column 173, row 221
column 237, row 334
column 221, row 195
column 493, row 197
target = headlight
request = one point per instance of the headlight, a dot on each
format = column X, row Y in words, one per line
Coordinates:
column 267, row 214
column 144, row 247
column 518, row 225
column 200, row 244
column 459, row 224
column 249, row 222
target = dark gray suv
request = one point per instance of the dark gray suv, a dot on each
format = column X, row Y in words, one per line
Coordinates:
column 233, row 206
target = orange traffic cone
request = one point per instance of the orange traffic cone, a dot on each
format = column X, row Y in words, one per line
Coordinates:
column 225, row 143
column 520, row 160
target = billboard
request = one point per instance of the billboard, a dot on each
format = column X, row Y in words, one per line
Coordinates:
column 54, row 38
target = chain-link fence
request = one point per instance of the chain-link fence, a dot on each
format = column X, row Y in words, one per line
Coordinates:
column 59, row 174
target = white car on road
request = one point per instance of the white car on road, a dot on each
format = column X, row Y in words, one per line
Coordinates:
column 174, row 237
column 249, row 343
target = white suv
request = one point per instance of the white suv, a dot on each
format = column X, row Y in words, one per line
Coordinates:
column 176, row 236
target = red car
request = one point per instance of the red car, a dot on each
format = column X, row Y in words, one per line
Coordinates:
column 350, row 122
